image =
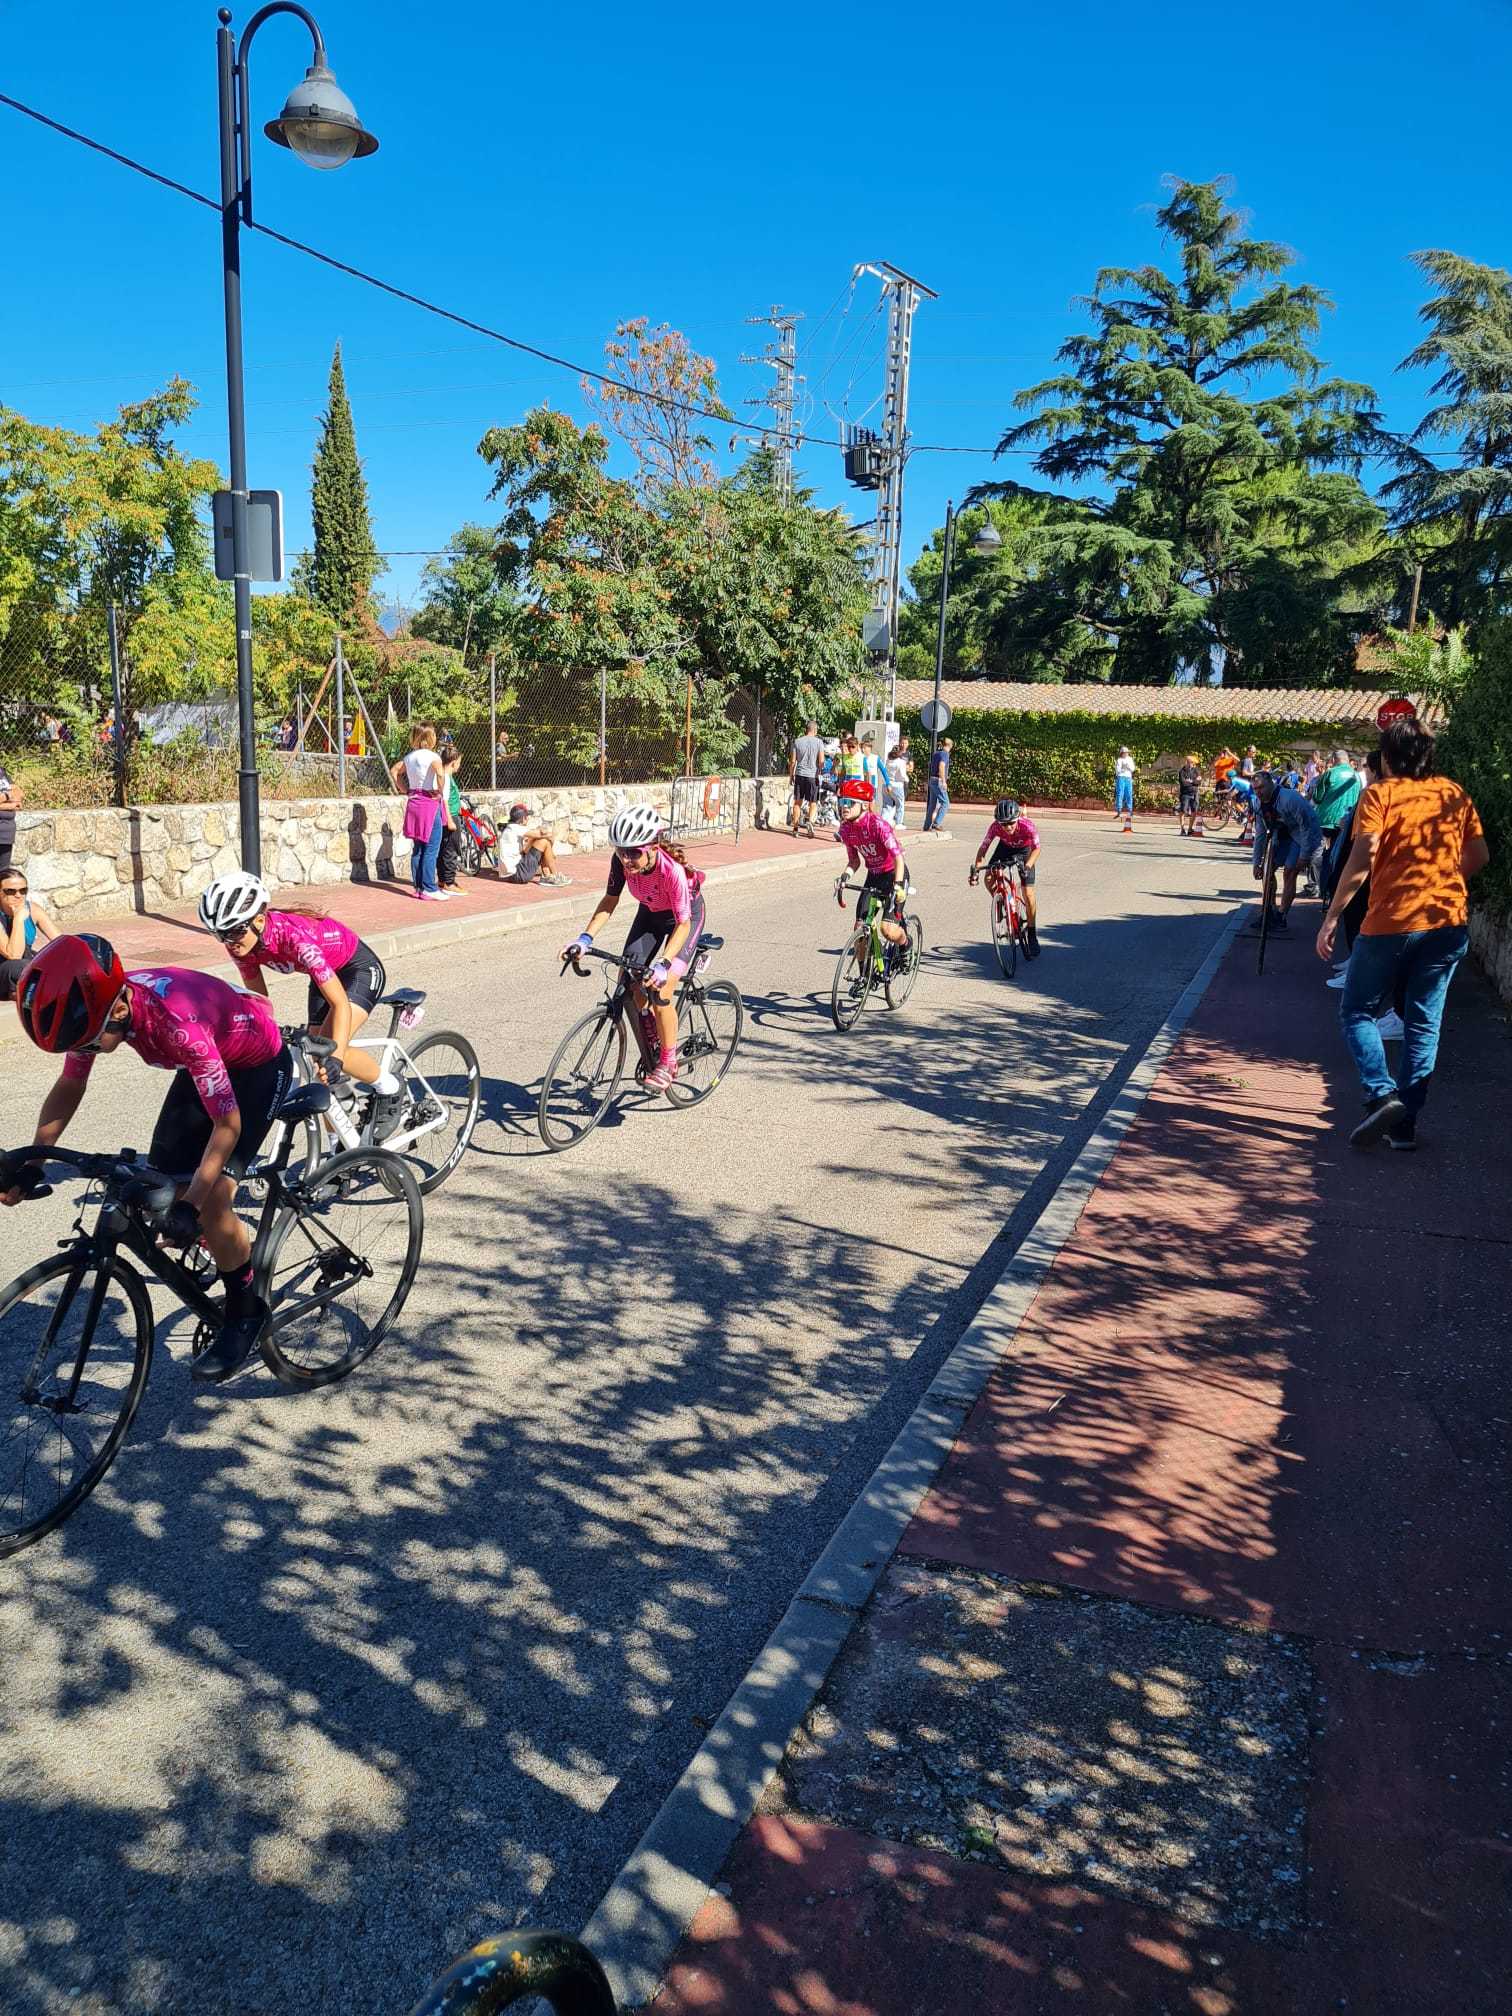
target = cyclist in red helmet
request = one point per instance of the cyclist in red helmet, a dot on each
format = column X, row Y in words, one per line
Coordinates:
column 231, row 1071
column 871, row 842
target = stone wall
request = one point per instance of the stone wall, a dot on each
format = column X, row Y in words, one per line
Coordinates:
column 110, row 863
column 1491, row 942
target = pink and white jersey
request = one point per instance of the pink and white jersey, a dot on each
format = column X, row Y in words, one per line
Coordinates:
column 870, row 840
column 316, row 946
column 1022, row 833
column 184, row 1021
column 666, row 886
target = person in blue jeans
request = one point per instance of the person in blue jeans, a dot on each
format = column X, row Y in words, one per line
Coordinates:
column 1418, row 838
column 937, row 797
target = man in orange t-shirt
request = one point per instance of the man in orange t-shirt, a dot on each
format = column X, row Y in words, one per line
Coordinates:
column 1418, row 838
column 1224, row 767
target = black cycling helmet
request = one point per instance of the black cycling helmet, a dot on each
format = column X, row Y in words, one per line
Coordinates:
column 1007, row 811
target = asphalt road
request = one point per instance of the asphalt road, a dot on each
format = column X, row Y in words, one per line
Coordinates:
column 316, row 1690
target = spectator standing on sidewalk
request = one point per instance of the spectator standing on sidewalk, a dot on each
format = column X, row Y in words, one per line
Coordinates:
column 418, row 775
column 1333, row 794
column 1123, row 785
column 1247, row 762
column 1188, row 788
column 1418, row 837
column 1352, row 916
column 803, row 768
column 10, row 805
column 937, row 796
column 450, row 853
column 899, row 770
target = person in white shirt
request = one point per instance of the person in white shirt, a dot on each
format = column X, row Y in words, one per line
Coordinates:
column 1123, row 784
column 526, row 853
column 426, row 816
column 899, row 769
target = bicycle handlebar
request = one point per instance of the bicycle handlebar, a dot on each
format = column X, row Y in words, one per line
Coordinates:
column 137, row 1183
column 575, row 959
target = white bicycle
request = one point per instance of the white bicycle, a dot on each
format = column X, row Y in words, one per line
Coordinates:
column 429, row 1121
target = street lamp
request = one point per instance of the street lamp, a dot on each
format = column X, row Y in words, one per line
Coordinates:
column 320, row 125
column 987, row 539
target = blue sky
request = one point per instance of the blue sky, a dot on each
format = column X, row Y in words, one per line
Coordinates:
column 549, row 172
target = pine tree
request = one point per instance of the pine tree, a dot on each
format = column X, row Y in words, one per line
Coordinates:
column 345, row 561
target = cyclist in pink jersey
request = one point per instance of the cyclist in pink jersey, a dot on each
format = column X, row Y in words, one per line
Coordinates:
column 231, row 1069
column 346, row 977
column 870, row 842
column 667, row 926
column 1015, row 843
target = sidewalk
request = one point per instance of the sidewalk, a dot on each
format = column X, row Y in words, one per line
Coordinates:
column 1189, row 1688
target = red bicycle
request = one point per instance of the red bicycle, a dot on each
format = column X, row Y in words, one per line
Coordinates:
column 479, row 838
column 1010, row 919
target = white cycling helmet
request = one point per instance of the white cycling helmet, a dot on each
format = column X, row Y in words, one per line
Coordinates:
column 636, row 826
column 232, row 900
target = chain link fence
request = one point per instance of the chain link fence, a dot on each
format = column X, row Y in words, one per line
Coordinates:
column 82, row 724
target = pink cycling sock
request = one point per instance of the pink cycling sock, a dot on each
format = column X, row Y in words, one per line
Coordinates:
column 669, row 1055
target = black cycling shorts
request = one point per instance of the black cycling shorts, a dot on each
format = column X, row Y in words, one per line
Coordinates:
column 1013, row 857
column 363, row 978
column 806, row 790
column 884, row 883
column 650, row 930
column 182, row 1133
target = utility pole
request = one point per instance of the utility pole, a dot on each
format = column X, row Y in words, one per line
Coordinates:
column 903, row 294
column 782, row 355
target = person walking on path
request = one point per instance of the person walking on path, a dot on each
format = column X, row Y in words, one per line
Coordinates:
column 1418, row 837
column 899, row 769
column 937, row 796
column 1333, row 794
column 419, row 776
column 803, row 769
column 1123, row 787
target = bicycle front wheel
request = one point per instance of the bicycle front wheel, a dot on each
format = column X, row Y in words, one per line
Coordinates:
column 1004, row 938
column 709, row 1024
column 338, row 1263
column 903, row 963
column 854, row 975
column 442, row 1088
column 581, row 1079
column 57, row 1440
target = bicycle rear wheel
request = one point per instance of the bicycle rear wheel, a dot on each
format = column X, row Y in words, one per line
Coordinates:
column 581, row 1079
column 442, row 1088
column 338, row 1263
column 1004, row 937
column 53, row 1452
column 902, row 974
column 709, row 1024
column 853, row 981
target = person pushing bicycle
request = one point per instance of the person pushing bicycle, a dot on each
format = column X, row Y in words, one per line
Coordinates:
column 869, row 840
column 668, row 922
column 231, row 1069
column 1015, row 845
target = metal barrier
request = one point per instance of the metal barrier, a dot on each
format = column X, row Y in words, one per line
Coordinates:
column 704, row 808
column 519, row 1966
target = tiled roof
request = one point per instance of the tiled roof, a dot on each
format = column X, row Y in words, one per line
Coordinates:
column 1346, row 705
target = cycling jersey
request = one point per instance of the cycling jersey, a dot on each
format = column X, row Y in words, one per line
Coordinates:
column 1021, row 837
column 316, row 946
column 871, row 840
column 666, row 886
column 192, row 1022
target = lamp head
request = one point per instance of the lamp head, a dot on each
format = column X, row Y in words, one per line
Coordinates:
column 319, row 122
column 987, row 538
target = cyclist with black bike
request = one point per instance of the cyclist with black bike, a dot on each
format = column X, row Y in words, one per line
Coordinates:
column 871, row 842
column 1016, row 849
column 231, row 1071
column 668, row 920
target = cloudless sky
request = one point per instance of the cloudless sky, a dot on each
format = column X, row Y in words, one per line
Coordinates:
column 550, row 170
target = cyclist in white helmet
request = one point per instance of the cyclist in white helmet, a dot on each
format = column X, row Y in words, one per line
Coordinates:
column 667, row 925
column 346, row 977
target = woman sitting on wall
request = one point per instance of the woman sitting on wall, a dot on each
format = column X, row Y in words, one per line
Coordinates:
column 25, row 928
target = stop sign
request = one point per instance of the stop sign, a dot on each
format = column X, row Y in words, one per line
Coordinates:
column 1395, row 710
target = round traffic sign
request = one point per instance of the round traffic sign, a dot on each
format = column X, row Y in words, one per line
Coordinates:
column 1395, row 710
column 935, row 716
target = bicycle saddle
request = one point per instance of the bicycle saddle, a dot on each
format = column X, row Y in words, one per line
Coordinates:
column 709, row 943
column 301, row 1101
column 403, row 997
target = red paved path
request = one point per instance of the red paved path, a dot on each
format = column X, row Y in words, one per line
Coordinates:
column 1265, row 1382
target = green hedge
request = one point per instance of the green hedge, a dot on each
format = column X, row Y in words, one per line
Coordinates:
column 1476, row 748
column 1049, row 759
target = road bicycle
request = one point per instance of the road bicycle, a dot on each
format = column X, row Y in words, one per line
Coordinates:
column 585, row 1073
column 334, row 1254
column 868, row 960
column 478, row 839
column 1010, row 918
column 430, row 1121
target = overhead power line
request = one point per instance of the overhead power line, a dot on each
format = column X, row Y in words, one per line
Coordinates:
column 518, row 343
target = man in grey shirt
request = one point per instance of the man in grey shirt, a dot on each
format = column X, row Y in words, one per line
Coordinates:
column 803, row 768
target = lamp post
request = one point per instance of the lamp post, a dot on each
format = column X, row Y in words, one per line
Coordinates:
column 320, row 125
column 987, row 539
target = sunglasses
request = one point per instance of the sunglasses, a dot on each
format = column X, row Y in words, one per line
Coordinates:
column 632, row 853
column 13, row 889
column 235, row 936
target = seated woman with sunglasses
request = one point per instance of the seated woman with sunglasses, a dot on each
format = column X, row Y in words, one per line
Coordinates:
column 346, row 977
column 231, row 1069
column 669, row 922
column 25, row 928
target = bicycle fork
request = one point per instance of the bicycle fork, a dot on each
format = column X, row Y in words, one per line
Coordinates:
column 67, row 1401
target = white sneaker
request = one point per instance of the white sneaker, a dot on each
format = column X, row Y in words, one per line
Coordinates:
column 1393, row 1029
column 1341, row 965
column 1336, row 982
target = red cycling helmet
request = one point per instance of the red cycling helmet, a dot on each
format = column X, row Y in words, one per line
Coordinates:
column 858, row 789
column 68, row 990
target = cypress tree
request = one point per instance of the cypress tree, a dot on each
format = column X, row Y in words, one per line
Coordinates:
column 345, row 560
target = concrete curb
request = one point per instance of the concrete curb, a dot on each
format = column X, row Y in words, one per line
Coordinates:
column 645, row 1912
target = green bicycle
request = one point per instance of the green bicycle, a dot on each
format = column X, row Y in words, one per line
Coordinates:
column 868, row 960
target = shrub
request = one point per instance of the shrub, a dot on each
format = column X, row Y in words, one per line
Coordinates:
column 1476, row 748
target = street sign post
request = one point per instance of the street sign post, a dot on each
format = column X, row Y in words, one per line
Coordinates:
column 935, row 716
column 264, row 535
